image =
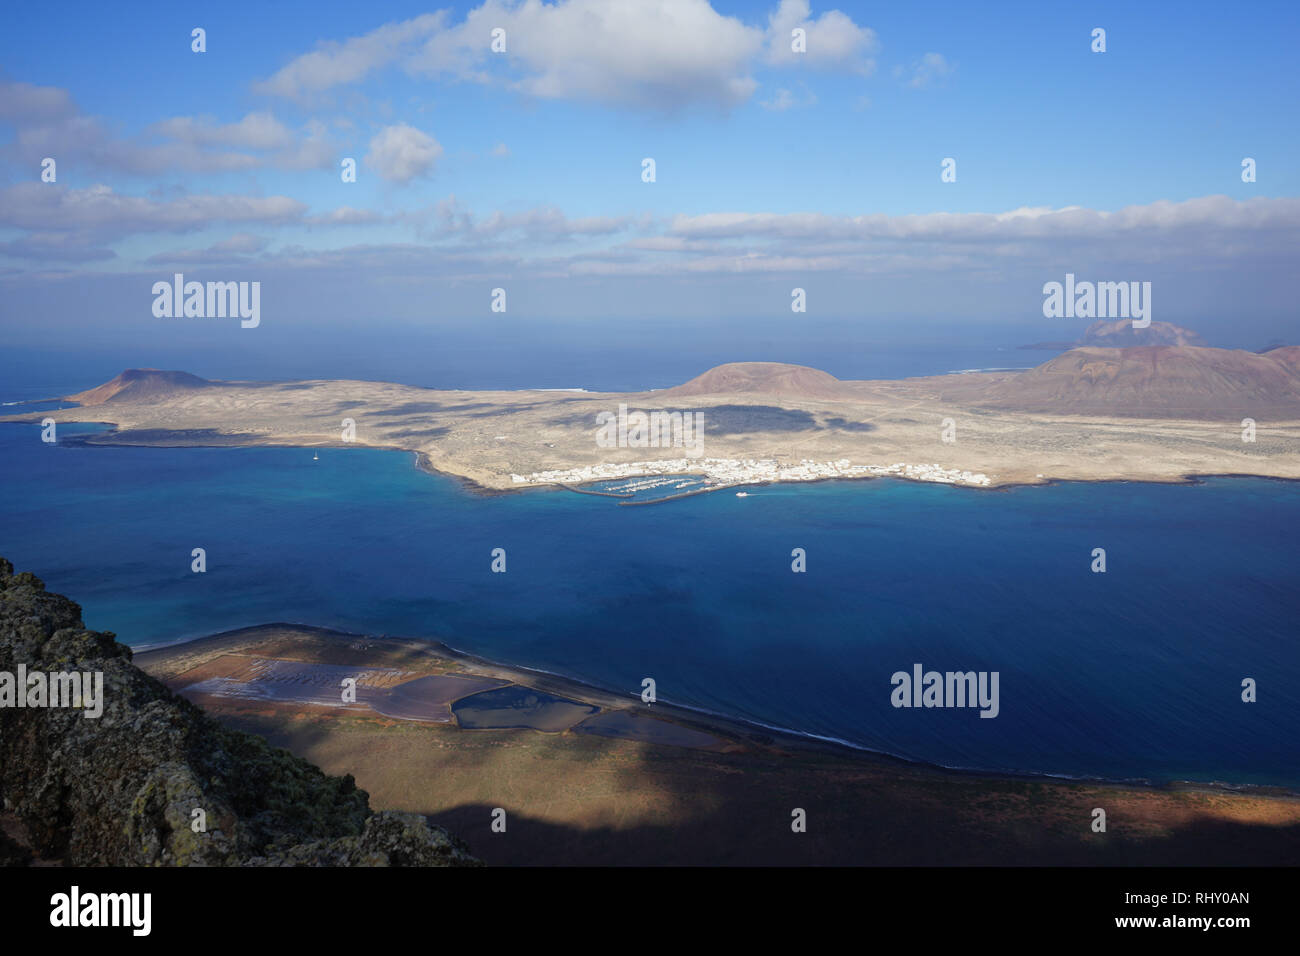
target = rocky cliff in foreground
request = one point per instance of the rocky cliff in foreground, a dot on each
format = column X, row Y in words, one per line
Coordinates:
column 122, row 789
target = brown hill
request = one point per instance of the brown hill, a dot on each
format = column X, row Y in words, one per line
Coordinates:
column 1285, row 355
column 1165, row 381
column 764, row 378
column 137, row 384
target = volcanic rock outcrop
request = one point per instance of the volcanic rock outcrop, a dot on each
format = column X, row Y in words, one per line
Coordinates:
column 122, row 788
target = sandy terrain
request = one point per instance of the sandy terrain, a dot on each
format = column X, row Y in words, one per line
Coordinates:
column 780, row 413
column 390, row 692
column 408, row 680
column 577, row 797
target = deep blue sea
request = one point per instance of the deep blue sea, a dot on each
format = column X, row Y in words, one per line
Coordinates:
column 1135, row 673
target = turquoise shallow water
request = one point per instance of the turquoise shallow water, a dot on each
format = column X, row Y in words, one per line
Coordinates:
column 1132, row 674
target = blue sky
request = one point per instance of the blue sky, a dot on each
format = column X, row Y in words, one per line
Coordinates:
column 774, row 170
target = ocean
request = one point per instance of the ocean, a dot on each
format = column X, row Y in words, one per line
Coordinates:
column 513, row 354
column 1131, row 674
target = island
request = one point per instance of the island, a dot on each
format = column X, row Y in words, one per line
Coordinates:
column 1140, row 413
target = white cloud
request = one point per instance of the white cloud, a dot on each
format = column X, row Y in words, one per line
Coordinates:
column 1206, row 232
column 47, row 122
column 927, row 71
column 401, row 153
column 25, row 103
column 240, row 243
column 832, row 40
column 234, row 249
column 312, row 148
column 655, row 54
column 785, row 100
column 661, row 55
column 1188, row 237
column 46, row 247
column 336, row 64
column 782, row 101
column 1071, row 222
column 100, row 211
column 452, row 218
column 346, row 216
column 255, row 131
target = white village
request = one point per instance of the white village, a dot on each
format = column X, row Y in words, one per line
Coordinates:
column 718, row 473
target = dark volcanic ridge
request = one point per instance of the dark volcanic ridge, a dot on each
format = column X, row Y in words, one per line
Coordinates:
column 121, row 789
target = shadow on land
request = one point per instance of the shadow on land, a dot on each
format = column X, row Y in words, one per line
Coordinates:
column 578, row 799
column 760, row 835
